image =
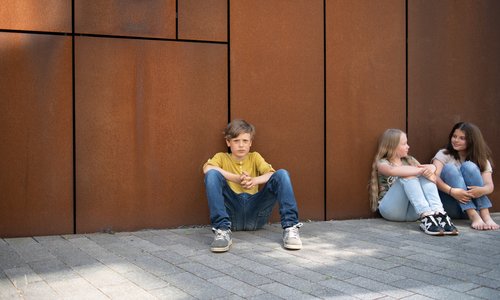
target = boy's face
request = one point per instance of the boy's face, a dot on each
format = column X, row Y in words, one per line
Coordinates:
column 240, row 145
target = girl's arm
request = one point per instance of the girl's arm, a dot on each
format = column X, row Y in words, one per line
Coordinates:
column 486, row 189
column 459, row 194
column 400, row 171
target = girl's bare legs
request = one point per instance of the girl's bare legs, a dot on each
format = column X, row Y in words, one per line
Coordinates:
column 486, row 217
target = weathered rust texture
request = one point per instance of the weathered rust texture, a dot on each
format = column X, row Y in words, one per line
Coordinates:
column 149, row 114
column 203, row 20
column 36, row 165
column 145, row 18
column 36, row 15
column 365, row 93
column 277, row 84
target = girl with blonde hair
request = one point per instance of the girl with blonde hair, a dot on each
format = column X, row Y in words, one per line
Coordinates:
column 464, row 170
column 404, row 190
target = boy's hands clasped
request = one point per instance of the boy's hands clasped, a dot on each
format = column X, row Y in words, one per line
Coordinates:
column 246, row 181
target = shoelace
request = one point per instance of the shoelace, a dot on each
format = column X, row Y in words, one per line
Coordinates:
column 221, row 234
column 293, row 232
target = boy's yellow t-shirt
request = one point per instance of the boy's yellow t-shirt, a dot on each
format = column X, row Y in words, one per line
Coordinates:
column 254, row 164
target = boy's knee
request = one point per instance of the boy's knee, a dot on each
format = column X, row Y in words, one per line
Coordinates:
column 282, row 174
column 212, row 175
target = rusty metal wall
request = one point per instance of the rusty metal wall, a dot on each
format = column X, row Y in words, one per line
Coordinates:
column 36, row 142
column 453, row 74
column 36, row 15
column 320, row 79
column 365, row 92
column 148, row 115
column 277, row 84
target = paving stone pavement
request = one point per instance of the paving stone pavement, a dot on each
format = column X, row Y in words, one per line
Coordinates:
column 353, row 259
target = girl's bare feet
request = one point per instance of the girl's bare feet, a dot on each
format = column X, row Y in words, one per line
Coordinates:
column 486, row 217
column 477, row 221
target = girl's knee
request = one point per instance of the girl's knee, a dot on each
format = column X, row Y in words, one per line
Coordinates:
column 450, row 169
column 469, row 168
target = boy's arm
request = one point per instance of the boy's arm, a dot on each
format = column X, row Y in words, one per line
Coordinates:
column 228, row 175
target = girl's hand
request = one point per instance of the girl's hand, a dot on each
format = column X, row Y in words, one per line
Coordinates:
column 428, row 172
column 460, row 195
column 475, row 191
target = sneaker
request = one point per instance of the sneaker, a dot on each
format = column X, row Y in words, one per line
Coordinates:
column 291, row 238
column 429, row 225
column 222, row 240
column 444, row 221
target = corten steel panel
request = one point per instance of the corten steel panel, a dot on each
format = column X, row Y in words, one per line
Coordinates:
column 277, row 84
column 203, row 20
column 148, row 115
column 365, row 84
column 36, row 15
column 453, row 74
column 36, row 166
column 146, row 18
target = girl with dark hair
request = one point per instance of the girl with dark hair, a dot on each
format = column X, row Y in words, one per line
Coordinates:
column 464, row 177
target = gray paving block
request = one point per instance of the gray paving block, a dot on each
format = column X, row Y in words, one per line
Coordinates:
column 155, row 265
column 247, row 276
column 200, row 270
column 172, row 257
column 302, row 272
column 7, row 289
column 379, row 287
column 53, row 270
column 292, row 281
column 28, row 249
column 281, row 290
column 350, row 289
column 77, row 288
column 195, row 286
column 22, row 276
column 485, row 293
column 171, row 293
column 38, row 290
column 126, row 290
column 236, row 286
column 100, row 275
column 145, row 280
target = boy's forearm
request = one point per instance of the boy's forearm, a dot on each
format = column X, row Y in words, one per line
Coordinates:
column 263, row 178
column 227, row 175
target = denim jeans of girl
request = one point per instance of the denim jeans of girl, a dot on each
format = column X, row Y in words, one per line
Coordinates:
column 468, row 174
column 244, row 211
column 408, row 198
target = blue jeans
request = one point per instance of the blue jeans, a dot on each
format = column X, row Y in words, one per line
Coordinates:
column 408, row 198
column 244, row 211
column 467, row 174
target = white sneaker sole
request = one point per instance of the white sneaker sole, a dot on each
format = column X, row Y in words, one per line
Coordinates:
column 225, row 249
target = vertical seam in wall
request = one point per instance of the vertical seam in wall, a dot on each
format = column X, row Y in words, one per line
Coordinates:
column 228, row 61
column 73, row 109
column 406, row 63
column 176, row 19
column 324, row 114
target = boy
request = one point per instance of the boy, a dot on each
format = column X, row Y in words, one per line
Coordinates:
column 232, row 184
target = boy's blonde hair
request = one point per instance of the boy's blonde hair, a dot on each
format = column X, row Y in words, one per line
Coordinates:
column 387, row 145
column 237, row 127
